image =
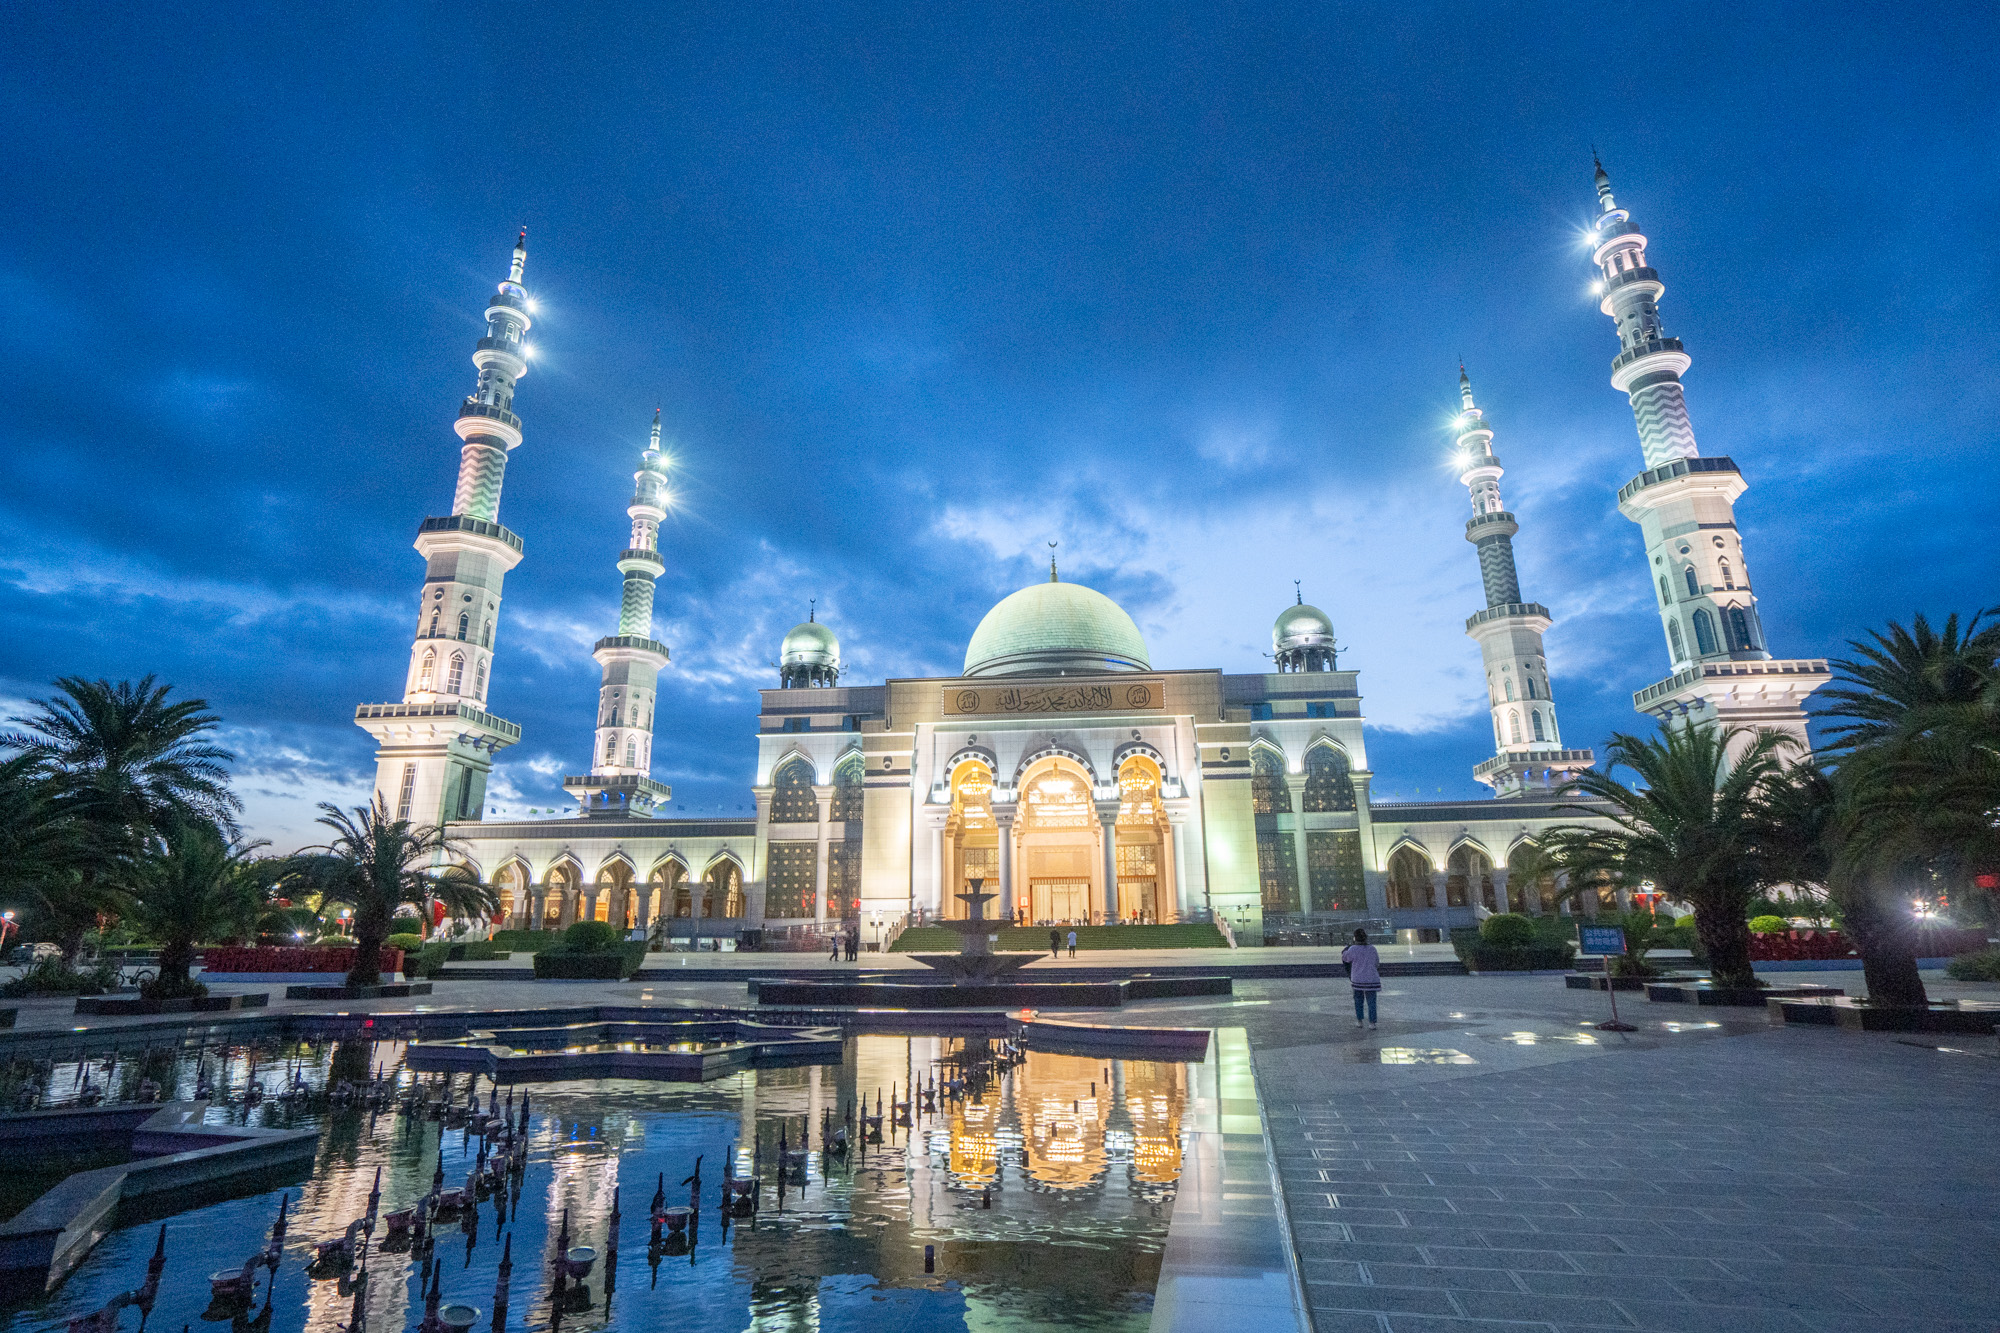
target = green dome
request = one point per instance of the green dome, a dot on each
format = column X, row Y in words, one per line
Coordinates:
column 1301, row 626
column 1055, row 629
column 810, row 644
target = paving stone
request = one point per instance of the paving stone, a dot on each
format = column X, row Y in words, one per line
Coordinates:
column 1409, row 1300
column 1429, row 1275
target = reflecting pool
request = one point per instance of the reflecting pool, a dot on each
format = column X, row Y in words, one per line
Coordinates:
column 1042, row 1194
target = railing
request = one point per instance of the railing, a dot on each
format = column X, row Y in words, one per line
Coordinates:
column 630, row 641
column 1563, row 757
column 511, row 346
column 641, row 553
column 1507, row 609
column 1481, row 520
column 1680, row 680
column 1680, row 467
column 472, row 407
column 1650, row 347
column 1630, row 275
column 465, row 523
column 500, row 726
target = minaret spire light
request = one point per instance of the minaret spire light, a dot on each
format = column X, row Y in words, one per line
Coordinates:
column 435, row 749
column 1684, row 505
column 1528, row 750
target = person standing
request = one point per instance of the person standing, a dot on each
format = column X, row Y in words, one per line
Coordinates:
column 1072, row 943
column 1364, row 975
column 1055, row 944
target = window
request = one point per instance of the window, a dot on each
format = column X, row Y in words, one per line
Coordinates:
column 1513, row 728
column 1333, row 872
column 1510, row 689
column 631, row 752
column 791, row 880
column 1328, row 786
column 1674, row 634
column 1260, row 712
column 610, row 749
column 847, row 794
column 1529, row 681
column 486, row 638
column 479, row 682
column 426, row 674
column 1321, row 710
column 1704, row 633
column 798, row 724
column 1739, row 629
column 1728, row 579
column 1666, row 593
column 1537, row 718
column 464, row 624
column 792, row 799
column 1269, row 793
column 408, row 793
column 455, row 678
column 1694, row 584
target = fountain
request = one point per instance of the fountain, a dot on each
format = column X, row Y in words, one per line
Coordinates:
column 975, row 962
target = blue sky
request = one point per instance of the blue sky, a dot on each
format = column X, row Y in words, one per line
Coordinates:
column 920, row 288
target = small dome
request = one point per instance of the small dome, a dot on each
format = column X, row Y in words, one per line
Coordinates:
column 1055, row 629
column 1301, row 626
column 810, row 644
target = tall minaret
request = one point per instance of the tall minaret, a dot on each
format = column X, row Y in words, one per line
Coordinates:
column 1684, row 504
column 620, row 780
column 1527, row 744
column 435, row 748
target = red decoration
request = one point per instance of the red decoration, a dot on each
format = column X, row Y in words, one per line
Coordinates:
column 245, row 959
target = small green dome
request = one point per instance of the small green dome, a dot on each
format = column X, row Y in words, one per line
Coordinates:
column 1301, row 626
column 809, row 644
column 1055, row 629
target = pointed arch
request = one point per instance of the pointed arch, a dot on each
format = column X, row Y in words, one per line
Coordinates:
column 1513, row 727
column 850, row 790
column 1693, row 582
column 454, row 681
column 427, row 670
column 1469, row 875
column 1329, row 785
column 479, row 682
column 1704, row 633
column 464, row 624
column 1270, row 791
column 1680, row 647
column 722, row 886
column 794, row 755
column 792, row 798
column 1054, row 749
column 1409, row 876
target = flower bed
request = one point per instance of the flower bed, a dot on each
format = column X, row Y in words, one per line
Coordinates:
column 1827, row 945
column 268, row 962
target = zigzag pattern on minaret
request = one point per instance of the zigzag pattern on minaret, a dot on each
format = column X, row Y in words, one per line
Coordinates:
column 1665, row 433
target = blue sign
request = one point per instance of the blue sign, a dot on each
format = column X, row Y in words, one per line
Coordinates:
column 1600, row 940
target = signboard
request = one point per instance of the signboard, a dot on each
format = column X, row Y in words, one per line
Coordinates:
column 1600, row 941
column 1058, row 696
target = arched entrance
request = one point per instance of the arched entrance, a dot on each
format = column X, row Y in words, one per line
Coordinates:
column 559, row 895
column 1145, row 873
column 1410, row 880
column 1061, row 844
column 972, row 838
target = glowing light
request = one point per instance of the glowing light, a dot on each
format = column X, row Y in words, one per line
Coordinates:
column 532, row 306
column 1596, row 289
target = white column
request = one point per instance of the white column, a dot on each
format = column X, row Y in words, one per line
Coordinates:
column 937, row 866
column 1005, row 822
column 1179, row 823
column 1109, row 821
column 1499, row 874
column 825, row 800
column 1299, row 854
column 1440, row 897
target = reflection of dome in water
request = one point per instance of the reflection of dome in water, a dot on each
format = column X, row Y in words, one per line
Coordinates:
column 1055, row 629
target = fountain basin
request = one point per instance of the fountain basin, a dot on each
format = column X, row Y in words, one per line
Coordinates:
column 689, row 1052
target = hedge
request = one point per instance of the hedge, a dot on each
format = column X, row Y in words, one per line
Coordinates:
column 1981, row 966
column 1480, row 956
column 236, row 958
column 561, row 965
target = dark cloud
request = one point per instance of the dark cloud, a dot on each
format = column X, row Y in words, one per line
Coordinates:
column 921, row 290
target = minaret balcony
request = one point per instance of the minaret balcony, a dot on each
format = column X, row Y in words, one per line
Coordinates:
column 1510, row 611
column 1499, row 523
column 472, row 407
column 639, row 558
column 1668, row 349
column 466, row 523
column 505, row 346
column 1682, row 467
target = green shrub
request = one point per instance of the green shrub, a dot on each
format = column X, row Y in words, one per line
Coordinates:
column 592, row 937
column 407, row 943
column 1769, row 925
column 523, row 941
column 1508, row 930
column 1981, row 966
column 1483, row 957
column 52, row 976
column 615, row 964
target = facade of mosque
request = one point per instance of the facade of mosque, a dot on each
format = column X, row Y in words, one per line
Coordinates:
column 1061, row 767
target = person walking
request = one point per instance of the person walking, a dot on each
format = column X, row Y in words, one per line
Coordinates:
column 1364, row 975
column 1072, row 944
column 1055, row 944
column 838, row 940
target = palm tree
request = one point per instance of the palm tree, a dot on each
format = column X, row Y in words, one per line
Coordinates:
column 198, row 885
column 1689, row 827
column 1915, row 732
column 374, row 865
column 124, row 761
column 39, row 847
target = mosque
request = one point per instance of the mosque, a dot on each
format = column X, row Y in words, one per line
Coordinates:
column 1061, row 765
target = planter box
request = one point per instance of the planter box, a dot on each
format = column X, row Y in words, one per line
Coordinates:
column 1743, row 997
column 555, row 965
column 390, row 992
column 1860, row 1017
column 1532, row 958
column 110, row 1006
column 315, row 961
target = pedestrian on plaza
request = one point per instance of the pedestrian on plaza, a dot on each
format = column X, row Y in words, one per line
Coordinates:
column 1364, row 975
column 1072, row 944
column 1055, row 944
column 853, row 944
column 834, row 956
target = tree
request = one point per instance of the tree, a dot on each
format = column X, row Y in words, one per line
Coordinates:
column 124, row 761
column 1688, row 826
column 1914, row 724
column 197, row 885
column 39, row 847
column 374, row 865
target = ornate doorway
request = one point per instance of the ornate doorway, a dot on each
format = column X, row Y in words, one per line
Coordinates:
column 1061, row 844
column 1059, row 901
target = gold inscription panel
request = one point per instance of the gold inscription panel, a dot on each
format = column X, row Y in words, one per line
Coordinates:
column 1115, row 694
